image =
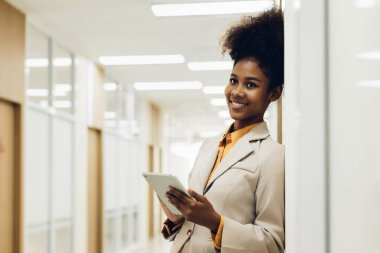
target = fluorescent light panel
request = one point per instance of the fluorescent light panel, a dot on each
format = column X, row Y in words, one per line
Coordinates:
column 213, row 89
column 63, row 87
column 145, row 86
column 372, row 55
column 142, row 59
column 365, row 3
column 210, row 65
column 110, row 86
column 370, row 83
column 212, row 8
column 37, row 92
column 218, row 102
column 43, row 62
column 110, row 115
column 62, row 104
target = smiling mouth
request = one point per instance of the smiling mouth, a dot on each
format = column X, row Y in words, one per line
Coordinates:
column 236, row 105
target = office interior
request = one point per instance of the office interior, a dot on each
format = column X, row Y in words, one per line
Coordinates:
column 80, row 121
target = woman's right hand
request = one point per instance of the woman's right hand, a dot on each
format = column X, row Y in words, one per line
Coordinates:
column 176, row 219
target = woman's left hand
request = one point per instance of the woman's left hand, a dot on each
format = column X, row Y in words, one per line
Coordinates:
column 198, row 210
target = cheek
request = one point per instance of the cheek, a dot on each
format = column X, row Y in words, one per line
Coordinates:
column 227, row 91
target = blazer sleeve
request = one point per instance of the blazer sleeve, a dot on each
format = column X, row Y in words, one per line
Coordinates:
column 266, row 234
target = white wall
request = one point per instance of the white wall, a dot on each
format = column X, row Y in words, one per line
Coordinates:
column 354, row 126
column 331, row 127
column 304, row 126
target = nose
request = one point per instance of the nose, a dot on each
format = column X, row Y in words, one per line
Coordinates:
column 237, row 91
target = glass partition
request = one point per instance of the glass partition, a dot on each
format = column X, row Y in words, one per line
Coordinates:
column 62, row 79
column 37, row 65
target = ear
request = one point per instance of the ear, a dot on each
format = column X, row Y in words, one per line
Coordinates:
column 275, row 93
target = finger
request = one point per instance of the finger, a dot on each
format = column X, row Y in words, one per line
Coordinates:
column 174, row 196
column 177, row 192
column 198, row 197
column 180, row 195
column 177, row 203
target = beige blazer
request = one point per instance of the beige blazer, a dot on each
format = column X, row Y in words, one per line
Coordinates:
column 247, row 188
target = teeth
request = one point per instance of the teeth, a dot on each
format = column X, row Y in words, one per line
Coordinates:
column 236, row 105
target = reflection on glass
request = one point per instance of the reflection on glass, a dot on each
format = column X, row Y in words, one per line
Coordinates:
column 110, row 114
column 63, row 240
column 37, row 67
column 124, row 231
column 38, row 242
column 110, row 234
column 136, row 228
column 62, row 80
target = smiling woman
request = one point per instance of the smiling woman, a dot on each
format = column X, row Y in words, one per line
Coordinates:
column 237, row 183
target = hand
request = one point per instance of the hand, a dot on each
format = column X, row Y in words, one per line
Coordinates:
column 172, row 217
column 198, row 210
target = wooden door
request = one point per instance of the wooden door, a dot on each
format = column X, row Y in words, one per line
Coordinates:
column 95, row 192
column 10, row 188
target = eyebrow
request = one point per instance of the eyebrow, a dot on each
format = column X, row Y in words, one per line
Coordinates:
column 248, row 78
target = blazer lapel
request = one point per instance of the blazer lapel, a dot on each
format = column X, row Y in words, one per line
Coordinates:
column 242, row 149
column 206, row 163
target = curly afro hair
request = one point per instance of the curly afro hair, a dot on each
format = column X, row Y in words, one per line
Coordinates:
column 262, row 39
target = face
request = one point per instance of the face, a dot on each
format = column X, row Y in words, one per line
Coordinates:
column 248, row 94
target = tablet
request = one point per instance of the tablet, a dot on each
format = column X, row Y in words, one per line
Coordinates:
column 160, row 184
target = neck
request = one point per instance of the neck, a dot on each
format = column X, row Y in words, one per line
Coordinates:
column 239, row 124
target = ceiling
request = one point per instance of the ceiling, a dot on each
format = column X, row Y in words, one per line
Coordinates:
column 96, row 28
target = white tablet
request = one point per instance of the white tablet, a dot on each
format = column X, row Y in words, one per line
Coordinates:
column 160, row 184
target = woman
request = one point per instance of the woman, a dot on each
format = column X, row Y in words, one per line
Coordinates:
column 237, row 182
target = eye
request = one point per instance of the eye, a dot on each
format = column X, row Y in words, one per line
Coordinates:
column 251, row 85
column 233, row 81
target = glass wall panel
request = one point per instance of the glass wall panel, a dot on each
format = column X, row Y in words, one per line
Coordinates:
column 110, row 170
column 110, row 235
column 111, row 111
column 62, row 79
column 37, row 67
column 62, row 169
column 37, row 168
column 124, row 156
column 124, row 229
column 136, row 227
column 63, row 240
column 38, row 242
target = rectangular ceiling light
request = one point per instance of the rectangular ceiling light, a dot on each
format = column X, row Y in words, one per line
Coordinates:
column 365, row 3
column 110, row 115
column 43, row 62
column 210, row 65
column 212, row 8
column 141, row 59
column 370, row 83
column 219, row 102
column 213, row 89
column 372, row 55
column 37, row 63
column 62, row 62
column 110, row 86
column 37, row 92
column 62, row 104
column 146, row 86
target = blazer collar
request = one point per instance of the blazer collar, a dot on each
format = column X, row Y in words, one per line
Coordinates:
column 242, row 149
